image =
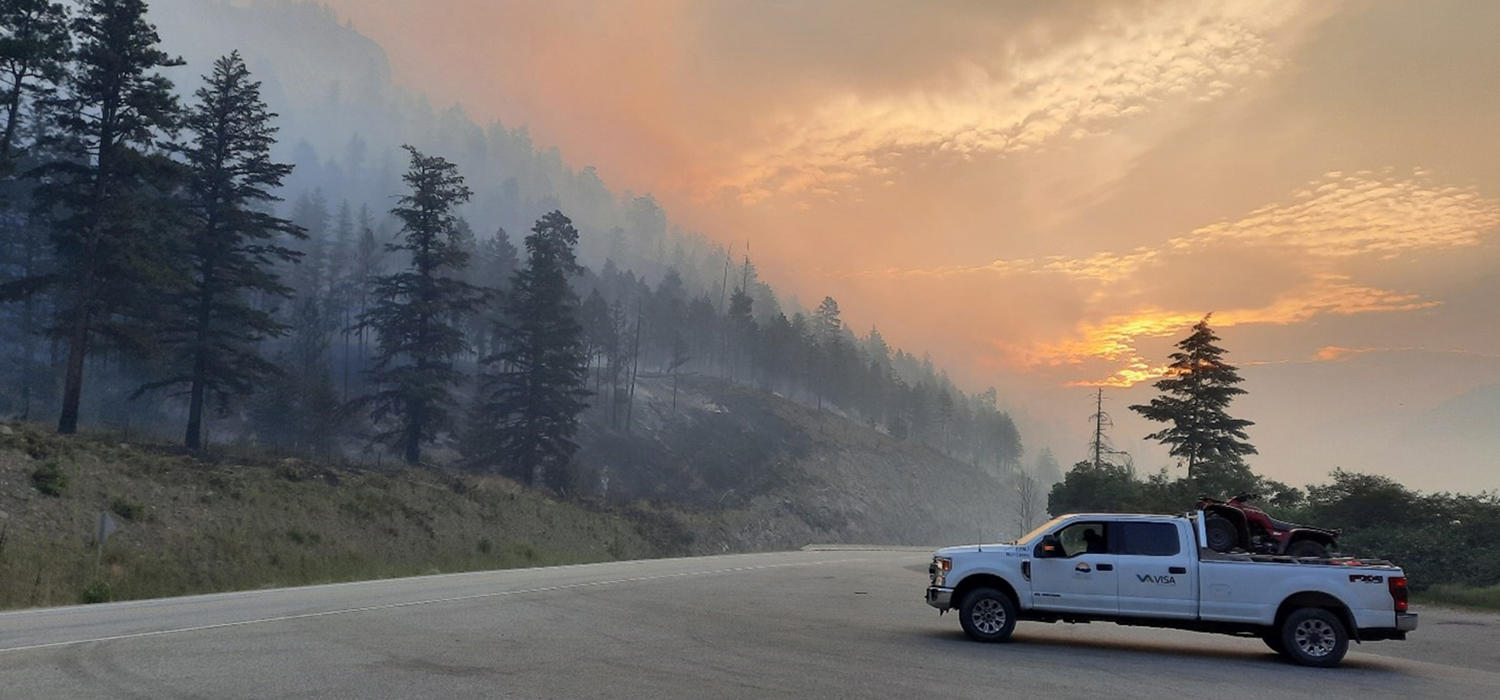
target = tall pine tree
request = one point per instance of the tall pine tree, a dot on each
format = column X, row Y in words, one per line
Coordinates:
column 1195, row 393
column 533, row 390
column 108, row 195
column 311, row 276
column 495, row 263
column 212, row 335
column 299, row 406
column 368, row 265
column 417, row 311
column 34, row 47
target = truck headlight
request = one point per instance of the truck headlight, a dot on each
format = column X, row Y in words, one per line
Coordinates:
column 940, row 568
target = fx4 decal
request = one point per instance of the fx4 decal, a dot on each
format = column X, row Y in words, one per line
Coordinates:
column 1162, row 580
column 1365, row 578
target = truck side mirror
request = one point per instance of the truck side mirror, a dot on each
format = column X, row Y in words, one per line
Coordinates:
column 1048, row 548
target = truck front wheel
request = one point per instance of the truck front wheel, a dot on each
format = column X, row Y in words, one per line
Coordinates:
column 1314, row 637
column 987, row 615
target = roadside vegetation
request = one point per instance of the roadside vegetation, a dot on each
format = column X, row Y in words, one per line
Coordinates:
column 207, row 522
column 1482, row 598
column 737, row 470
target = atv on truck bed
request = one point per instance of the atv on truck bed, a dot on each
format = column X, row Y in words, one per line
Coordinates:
column 1235, row 525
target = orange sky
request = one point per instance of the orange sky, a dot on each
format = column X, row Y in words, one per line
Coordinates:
column 1045, row 196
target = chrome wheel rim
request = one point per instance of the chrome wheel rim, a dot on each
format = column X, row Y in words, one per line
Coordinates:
column 988, row 616
column 1315, row 638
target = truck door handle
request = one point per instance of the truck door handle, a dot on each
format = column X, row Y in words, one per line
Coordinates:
column 1105, row 567
column 1177, row 569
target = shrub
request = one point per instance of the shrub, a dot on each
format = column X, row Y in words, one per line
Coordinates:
column 301, row 537
column 95, row 592
column 125, row 509
column 50, row 479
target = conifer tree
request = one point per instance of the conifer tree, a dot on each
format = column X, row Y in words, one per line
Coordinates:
column 617, row 349
column 741, row 329
column 826, row 321
column 311, row 277
column 343, row 284
column 1195, row 393
column 213, row 329
column 299, row 405
column 417, row 312
column 34, row 47
column 668, row 309
column 368, row 264
column 108, row 194
column 495, row 262
column 598, row 332
column 341, row 252
column 533, row 390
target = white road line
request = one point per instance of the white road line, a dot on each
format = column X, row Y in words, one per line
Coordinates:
column 414, row 603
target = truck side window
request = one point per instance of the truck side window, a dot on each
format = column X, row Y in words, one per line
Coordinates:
column 1083, row 538
column 1147, row 539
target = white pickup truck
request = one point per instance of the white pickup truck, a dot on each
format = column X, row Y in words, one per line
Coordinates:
column 1152, row 570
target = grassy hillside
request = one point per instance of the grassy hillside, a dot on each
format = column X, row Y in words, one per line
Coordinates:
column 731, row 469
column 191, row 524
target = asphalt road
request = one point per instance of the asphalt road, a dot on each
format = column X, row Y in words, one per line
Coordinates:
column 799, row 624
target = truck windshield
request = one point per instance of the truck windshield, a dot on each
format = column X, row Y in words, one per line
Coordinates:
column 1028, row 537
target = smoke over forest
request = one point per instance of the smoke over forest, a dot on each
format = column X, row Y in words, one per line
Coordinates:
column 396, row 304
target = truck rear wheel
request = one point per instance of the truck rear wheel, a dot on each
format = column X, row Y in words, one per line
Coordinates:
column 987, row 615
column 1314, row 637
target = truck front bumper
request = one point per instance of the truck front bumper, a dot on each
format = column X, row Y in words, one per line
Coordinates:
column 939, row 597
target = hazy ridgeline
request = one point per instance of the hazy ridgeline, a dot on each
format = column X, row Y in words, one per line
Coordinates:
column 296, row 354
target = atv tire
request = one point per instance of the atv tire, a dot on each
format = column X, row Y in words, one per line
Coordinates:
column 1222, row 534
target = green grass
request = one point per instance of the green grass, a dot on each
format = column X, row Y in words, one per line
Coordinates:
column 1487, row 597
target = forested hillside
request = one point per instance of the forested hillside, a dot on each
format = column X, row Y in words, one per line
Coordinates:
column 268, row 245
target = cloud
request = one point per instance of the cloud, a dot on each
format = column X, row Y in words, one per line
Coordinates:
column 1132, row 63
column 1361, row 214
column 1116, row 339
column 1335, row 353
column 1333, row 220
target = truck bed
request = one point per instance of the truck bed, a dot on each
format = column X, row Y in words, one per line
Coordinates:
column 1208, row 555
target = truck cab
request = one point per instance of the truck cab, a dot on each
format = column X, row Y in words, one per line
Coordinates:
column 1152, row 570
